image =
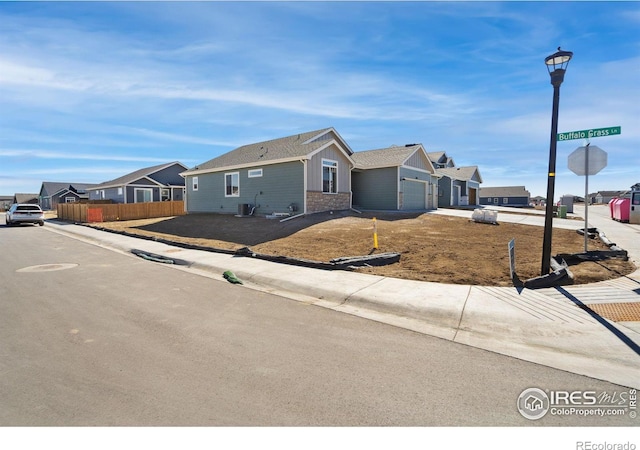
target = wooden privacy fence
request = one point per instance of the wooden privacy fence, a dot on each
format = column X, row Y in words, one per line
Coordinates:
column 83, row 213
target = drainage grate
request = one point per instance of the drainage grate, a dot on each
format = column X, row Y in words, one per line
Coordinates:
column 618, row 312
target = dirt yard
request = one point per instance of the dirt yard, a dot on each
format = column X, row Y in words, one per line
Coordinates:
column 432, row 247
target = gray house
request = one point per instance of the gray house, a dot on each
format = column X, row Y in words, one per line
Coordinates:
column 505, row 196
column 300, row 174
column 440, row 160
column 394, row 178
column 458, row 186
column 25, row 198
column 52, row 193
column 151, row 184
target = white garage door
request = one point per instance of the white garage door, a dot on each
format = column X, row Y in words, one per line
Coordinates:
column 414, row 194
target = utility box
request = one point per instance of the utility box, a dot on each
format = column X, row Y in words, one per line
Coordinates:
column 562, row 211
column 634, row 212
column 567, row 200
column 244, row 209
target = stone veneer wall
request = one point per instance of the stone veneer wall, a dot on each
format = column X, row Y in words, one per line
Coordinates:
column 318, row 202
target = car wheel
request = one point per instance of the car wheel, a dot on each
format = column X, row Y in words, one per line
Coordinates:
column 41, row 223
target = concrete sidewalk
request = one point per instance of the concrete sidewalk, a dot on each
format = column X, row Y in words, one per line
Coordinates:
column 542, row 327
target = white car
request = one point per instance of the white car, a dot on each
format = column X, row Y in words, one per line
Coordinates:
column 24, row 213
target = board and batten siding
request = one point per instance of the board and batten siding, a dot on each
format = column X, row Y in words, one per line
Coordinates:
column 279, row 186
column 419, row 161
column 314, row 169
column 376, row 188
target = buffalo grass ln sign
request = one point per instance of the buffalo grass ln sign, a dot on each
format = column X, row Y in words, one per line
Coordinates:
column 588, row 134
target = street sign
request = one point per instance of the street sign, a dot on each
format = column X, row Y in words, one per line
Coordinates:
column 588, row 134
column 587, row 160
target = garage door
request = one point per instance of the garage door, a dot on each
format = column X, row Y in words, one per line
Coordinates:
column 414, row 194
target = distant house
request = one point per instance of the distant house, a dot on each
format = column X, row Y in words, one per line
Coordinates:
column 607, row 196
column 151, row 184
column 5, row 202
column 394, row 178
column 537, row 201
column 52, row 193
column 304, row 173
column 440, row 160
column 26, row 198
column 505, row 196
column 458, row 186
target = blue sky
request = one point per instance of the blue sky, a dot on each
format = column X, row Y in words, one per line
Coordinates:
column 92, row 91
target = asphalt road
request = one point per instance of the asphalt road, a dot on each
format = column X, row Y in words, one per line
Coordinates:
column 94, row 337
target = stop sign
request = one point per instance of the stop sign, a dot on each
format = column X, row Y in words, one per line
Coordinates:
column 595, row 156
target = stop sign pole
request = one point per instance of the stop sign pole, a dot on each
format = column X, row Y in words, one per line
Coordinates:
column 587, row 160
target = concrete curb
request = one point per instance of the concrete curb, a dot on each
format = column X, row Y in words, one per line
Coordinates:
column 527, row 325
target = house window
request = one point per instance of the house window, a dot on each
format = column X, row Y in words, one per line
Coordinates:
column 489, row 200
column 232, row 184
column 194, row 183
column 69, row 199
column 329, row 176
column 496, row 200
column 119, row 191
column 143, row 195
column 165, row 195
column 255, row 173
column 505, row 200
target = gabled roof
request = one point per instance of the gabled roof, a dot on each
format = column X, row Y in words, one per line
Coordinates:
column 460, row 173
column 290, row 148
column 504, row 191
column 134, row 176
column 387, row 157
column 440, row 158
column 25, row 198
column 53, row 187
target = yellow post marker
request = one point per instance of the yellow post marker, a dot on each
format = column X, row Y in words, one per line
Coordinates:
column 375, row 234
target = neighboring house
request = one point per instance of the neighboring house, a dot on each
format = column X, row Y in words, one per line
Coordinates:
column 505, row 196
column 459, row 186
column 304, row 173
column 537, row 201
column 440, row 160
column 606, row 196
column 151, row 184
column 394, row 178
column 26, row 198
column 5, row 202
column 52, row 193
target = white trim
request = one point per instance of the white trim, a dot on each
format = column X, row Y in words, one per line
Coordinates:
column 327, row 145
column 170, row 193
column 195, row 184
column 249, row 175
column 225, row 184
column 304, row 183
column 344, row 144
column 242, row 166
column 335, row 181
column 135, row 194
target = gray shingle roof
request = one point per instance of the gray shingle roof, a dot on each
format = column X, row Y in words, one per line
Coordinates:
column 133, row 176
column 384, row 157
column 504, row 191
column 460, row 173
column 53, row 187
column 290, row 147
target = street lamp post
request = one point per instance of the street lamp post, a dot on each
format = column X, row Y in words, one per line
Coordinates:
column 557, row 66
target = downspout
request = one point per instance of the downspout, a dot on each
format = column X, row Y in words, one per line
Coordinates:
column 398, row 190
column 304, row 188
